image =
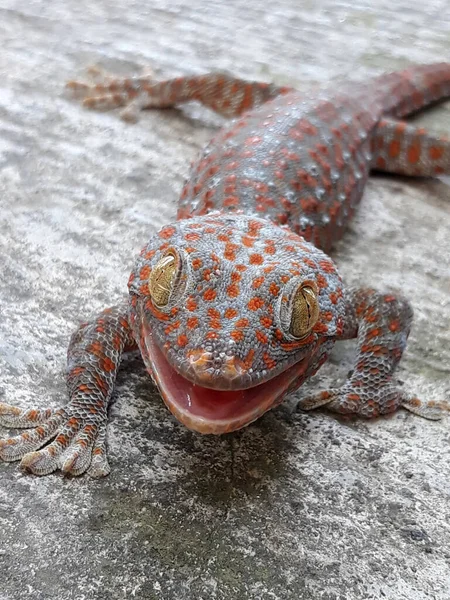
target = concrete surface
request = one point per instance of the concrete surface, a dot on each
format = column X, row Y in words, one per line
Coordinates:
column 297, row 506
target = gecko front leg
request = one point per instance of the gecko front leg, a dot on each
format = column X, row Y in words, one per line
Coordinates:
column 78, row 429
column 382, row 323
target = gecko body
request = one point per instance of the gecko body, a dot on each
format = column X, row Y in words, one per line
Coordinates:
column 237, row 303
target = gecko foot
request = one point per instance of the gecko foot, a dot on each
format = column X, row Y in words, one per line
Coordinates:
column 107, row 91
column 372, row 401
column 78, row 444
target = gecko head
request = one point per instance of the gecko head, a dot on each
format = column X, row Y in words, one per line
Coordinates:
column 230, row 312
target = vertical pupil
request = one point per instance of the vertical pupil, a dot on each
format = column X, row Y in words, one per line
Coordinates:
column 161, row 280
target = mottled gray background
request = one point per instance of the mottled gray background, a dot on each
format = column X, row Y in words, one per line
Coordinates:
column 297, row 506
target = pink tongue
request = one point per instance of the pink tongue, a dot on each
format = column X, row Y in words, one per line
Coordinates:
column 212, row 411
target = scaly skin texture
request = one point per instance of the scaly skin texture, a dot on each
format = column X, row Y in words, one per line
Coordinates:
column 265, row 201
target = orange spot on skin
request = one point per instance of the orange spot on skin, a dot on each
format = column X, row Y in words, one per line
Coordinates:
column 107, row 364
column 230, row 251
column 274, row 289
column 247, row 241
column 172, row 327
column 116, row 342
column 166, row 232
column 255, row 303
column 353, row 397
column 233, row 290
column 436, row 152
column 371, row 318
column 321, row 281
column 320, row 328
column 261, row 337
column 237, row 335
column 74, row 372
column 144, row 272
column 394, row 325
column 150, row 254
column 101, row 383
column 376, row 350
column 333, row 298
column 247, row 99
column 196, row 264
column 256, row 259
column 415, row 402
column 400, row 128
column 231, row 201
column 182, row 340
column 326, row 266
column 253, row 228
column 394, row 149
column 269, row 361
column 231, row 313
column 373, row 333
column 248, row 361
column 192, row 323
column 413, row 155
column 191, row 304
column 266, row 321
column 84, row 387
column 192, row 237
column 210, row 295
column 242, row 323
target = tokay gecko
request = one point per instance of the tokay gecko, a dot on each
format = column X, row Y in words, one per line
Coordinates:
column 237, row 303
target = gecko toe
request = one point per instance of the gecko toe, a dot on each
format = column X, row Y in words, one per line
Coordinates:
column 16, row 447
column 77, row 457
column 431, row 410
column 42, row 462
column 13, row 416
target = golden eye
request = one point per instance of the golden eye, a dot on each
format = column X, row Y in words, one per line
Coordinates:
column 305, row 311
column 162, row 278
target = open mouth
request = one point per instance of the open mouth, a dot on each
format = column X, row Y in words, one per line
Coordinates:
column 213, row 411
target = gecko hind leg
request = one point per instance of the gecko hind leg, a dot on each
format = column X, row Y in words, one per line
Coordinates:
column 405, row 149
column 226, row 95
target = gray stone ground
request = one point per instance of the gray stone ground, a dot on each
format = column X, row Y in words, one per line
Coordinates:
column 297, row 506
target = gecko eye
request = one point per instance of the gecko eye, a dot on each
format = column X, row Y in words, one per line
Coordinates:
column 163, row 278
column 305, row 311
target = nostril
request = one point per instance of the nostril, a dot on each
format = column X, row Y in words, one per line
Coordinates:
column 221, row 369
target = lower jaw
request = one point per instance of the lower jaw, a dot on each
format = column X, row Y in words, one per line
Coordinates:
column 210, row 411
